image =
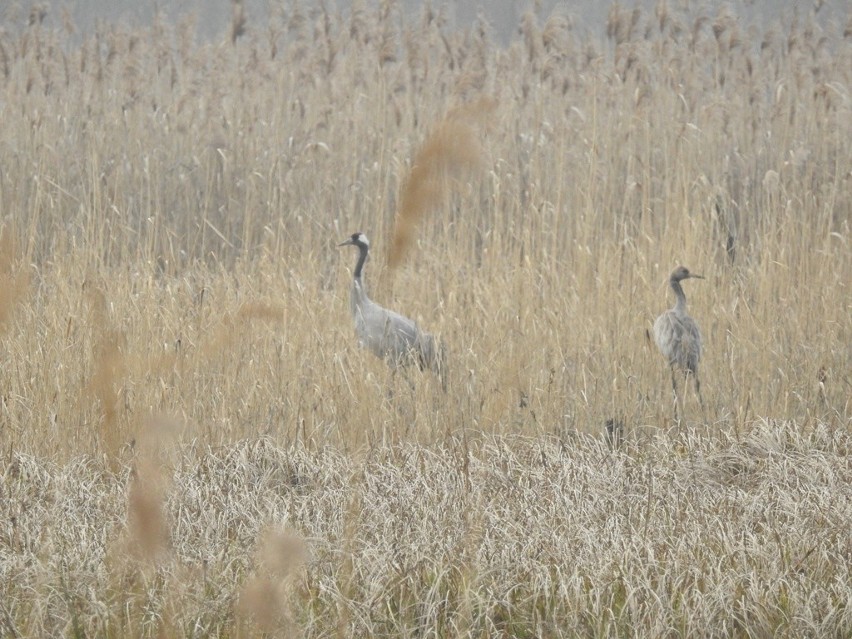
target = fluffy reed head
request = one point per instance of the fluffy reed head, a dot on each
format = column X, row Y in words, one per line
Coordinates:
column 451, row 152
column 264, row 597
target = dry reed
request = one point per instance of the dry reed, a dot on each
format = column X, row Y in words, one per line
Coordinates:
column 451, row 152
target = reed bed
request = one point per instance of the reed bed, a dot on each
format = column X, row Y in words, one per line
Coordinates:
column 192, row 444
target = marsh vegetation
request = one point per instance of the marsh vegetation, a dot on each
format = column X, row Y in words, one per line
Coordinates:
column 192, row 444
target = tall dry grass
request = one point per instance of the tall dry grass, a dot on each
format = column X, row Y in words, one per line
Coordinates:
column 170, row 209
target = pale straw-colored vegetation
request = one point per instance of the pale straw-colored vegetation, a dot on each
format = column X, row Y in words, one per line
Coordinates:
column 191, row 443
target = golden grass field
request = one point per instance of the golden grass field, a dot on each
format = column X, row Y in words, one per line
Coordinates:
column 191, row 443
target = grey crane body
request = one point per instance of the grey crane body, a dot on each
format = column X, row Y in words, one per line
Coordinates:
column 677, row 335
column 387, row 334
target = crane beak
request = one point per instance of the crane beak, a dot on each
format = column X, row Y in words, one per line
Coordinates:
column 699, row 277
column 348, row 242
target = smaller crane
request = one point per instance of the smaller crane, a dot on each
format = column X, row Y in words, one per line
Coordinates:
column 677, row 335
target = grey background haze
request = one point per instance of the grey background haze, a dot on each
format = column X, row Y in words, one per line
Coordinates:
column 503, row 16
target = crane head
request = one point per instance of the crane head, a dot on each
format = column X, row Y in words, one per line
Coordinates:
column 682, row 273
column 357, row 239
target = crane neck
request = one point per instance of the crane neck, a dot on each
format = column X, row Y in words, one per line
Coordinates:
column 362, row 257
column 680, row 305
column 358, row 295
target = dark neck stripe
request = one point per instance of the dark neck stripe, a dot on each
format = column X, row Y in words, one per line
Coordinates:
column 361, row 259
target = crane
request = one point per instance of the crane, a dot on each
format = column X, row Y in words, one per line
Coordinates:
column 387, row 334
column 677, row 335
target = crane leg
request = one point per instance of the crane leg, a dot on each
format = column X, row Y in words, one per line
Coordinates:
column 676, row 394
column 700, row 398
column 442, row 376
column 389, row 392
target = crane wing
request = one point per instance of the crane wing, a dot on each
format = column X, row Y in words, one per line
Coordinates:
column 679, row 339
column 383, row 332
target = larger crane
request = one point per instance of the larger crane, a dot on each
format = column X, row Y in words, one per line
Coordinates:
column 387, row 334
